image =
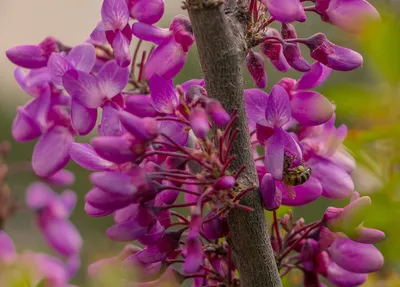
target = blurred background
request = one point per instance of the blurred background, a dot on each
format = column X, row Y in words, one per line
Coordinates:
column 368, row 102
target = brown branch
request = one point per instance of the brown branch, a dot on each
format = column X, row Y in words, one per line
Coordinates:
column 221, row 47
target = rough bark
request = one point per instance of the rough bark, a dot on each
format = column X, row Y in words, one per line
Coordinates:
column 221, row 46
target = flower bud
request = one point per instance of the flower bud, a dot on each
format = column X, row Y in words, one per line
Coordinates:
column 274, row 51
column 199, row 123
column 118, row 149
column 146, row 11
column 217, row 113
column 367, row 235
column 292, row 51
column 145, row 129
column 183, row 32
column 255, row 66
column 335, row 57
column 307, row 254
column 215, row 228
column 225, row 182
column 285, row 11
column 140, row 106
column 271, row 196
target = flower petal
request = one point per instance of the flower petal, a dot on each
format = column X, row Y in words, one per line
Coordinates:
column 110, row 123
column 150, row 33
column 355, row 257
column 274, row 153
column 313, row 78
column 112, row 79
column 121, row 48
column 51, row 151
column 27, row 56
column 83, row 119
column 7, row 249
column 83, row 87
column 171, row 55
column 113, row 182
column 343, row 278
column 278, row 112
column 336, row 183
column 311, row 108
column 58, row 64
column 163, row 94
column 114, row 148
column 39, row 195
column 256, row 102
column 140, row 105
column 83, row 57
column 114, row 14
column 306, row 193
column 85, row 156
column 147, row 11
column 285, row 11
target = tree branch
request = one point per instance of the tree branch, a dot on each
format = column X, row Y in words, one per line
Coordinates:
column 222, row 47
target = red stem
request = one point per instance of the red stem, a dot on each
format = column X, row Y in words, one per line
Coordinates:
column 278, row 235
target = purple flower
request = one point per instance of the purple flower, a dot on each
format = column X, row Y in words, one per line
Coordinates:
column 335, row 57
column 309, row 108
column 274, row 51
column 173, row 44
column 347, row 15
column 52, row 218
column 32, row 56
column 7, row 249
column 292, row 51
column 115, row 18
column 146, row 11
column 270, row 118
column 285, row 11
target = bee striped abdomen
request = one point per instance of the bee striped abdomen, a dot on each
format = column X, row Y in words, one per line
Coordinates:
column 297, row 176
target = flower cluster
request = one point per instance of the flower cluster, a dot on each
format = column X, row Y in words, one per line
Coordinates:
column 156, row 141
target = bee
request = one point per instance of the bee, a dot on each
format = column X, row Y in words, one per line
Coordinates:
column 297, row 175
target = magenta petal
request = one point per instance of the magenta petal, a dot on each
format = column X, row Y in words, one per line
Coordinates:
column 292, row 147
column 306, row 193
column 278, row 112
column 141, row 128
column 153, row 235
column 271, row 196
column 343, row 278
column 63, row 178
column 173, row 57
column 69, row 199
column 368, row 235
column 113, row 182
column 114, row 14
column 150, row 33
column 97, row 212
column 100, row 199
column 121, row 50
column 39, row 195
column 140, row 105
column 163, row 94
column 199, row 123
column 7, row 249
column 147, row 11
column 83, row 57
column 27, row 56
column 126, row 231
column 99, row 33
column 285, row 11
column 256, row 103
column 194, row 257
column 355, row 257
column 85, row 156
column 293, row 56
column 25, row 127
column 350, row 15
column 176, row 131
column 336, row 183
column 113, row 148
column 110, row 123
column 62, row 236
column 313, row 78
column 344, row 59
column 51, row 152
column 311, row 108
column 112, row 79
column 274, row 154
column 83, row 87
column 58, row 64
column 83, row 119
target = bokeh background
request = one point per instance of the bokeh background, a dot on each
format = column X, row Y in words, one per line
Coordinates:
column 368, row 101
